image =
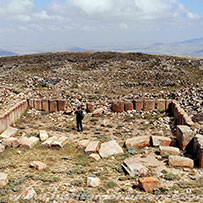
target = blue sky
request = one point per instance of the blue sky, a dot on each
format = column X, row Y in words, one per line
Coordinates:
column 58, row 24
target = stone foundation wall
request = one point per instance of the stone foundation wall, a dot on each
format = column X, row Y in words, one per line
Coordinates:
column 12, row 115
column 50, row 105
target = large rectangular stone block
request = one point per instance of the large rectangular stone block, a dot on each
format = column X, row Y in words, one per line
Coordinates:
column 128, row 106
column 198, row 149
column 93, row 146
column 160, row 141
column 138, row 105
column 166, row 150
column 148, row 184
column 149, row 105
column 179, row 161
column 38, row 104
column 3, row 123
column 168, row 105
column 9, row 132
column 138, row 142
column 45, row 105
column 118, row 106
column 53, row 106
column 61, row 105
column 184, row 135
column 161, row 104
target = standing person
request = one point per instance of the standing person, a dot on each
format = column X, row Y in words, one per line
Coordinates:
column 79, row 117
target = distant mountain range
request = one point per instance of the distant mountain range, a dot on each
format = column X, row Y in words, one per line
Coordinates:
column 192, row 47
column 6, row 53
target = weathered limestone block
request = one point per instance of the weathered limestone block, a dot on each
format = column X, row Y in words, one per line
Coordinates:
column 149, row 105
column 148, row 184
column 134, row 167
column 28, row 194
column 97, row 112
column 93, row 182
column 184, row 135
column 168, row 105
column 38, row 165
column 38, row 104
column 198, row 149
column 160, row 141
column 138, row 142
column 110, row 148
column 45, row 105
column 11, row 142
column 3, row 123
column 83, row 143
column 2, row 149
column 61, row 105
column 128, row 106
column 90, row 107
column 92, row 147
column 118, row 106
column 165, row 150
column 43, row 135
column 138, row 105
column 3, row 180
column 29, row 142
column 49, row 141
column 53, row 106
column 161, row 104
column 179, row 161
column 31, row 103
column 60, row 142
column 9, row 132
column 95, row 157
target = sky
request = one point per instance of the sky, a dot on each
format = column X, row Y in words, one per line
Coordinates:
column 41, row 25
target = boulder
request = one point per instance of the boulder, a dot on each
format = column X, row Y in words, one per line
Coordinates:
column 184, row 135
column 12, row 142
column 83, row 143
column 28, row 142
column 9, row 132
column 3, row 180
column 160, row 141
column 166, row 150
column 43, row 135
column 138, row 142
column 179, row 161
column 134, row 167
column 97, row 112
column 60, row 142
column 92, row 147
column 95, row 157
column 93, row 182
column 148, row 184
column 110, row 148
column 38, row 165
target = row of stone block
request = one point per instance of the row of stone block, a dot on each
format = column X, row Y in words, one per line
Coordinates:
column 181, row 116
column 47, row 105
column 141, row 105
column 12, row 115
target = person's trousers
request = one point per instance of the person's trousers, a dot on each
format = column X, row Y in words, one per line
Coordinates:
column 79, row 126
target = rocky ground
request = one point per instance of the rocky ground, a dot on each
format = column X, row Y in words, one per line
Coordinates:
column 98, row 77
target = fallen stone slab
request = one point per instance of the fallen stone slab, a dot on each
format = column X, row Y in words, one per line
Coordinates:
column 134, row 167
column 138, row 142
column 38, row 165
column 2, row 148
column 93, row 182
column 83, row 143
column 12, row 142
column 28, row 194
column 110, row 148
column 92, row 147
column 60, row 142
column 96, row 157
column 148, row 184
column 97, row 112
column 43, row 135
column 166, row 150
column 179, row 161
column 49, row 141
column 9, row 132
column 198, row 149
column 29, row 142
column 3, row 180
column 184, row 135
column 160, row 141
